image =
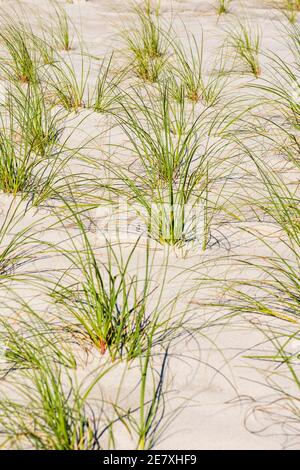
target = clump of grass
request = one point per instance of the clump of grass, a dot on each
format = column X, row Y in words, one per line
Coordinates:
column 36, row 121
column 151, row 7
column 188, row 66
column 65, row 87
column 168, row 183
column 149, row 69
column 107, row 92
column 187, row 79
column 17, row 161
column 223, row 6
column 22, row 61
column 110, row 305
column 162, row 136
column 62, row 34
column 32, row 157
column 147, row 45
column 49, row 412
column 148, row 37
column 245, row 40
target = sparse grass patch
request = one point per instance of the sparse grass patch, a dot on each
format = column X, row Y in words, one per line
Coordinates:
column 61, row 33
column 245, row 40
column 66, row 88
column 28, row 338
column 294, row 37
column 282, row 90
column 277, row 289
column 107, row 91
column 275, row 294
column 149, row 421
column 16, row 244
column 42, row 45
column 283, row 380
column 188, row 64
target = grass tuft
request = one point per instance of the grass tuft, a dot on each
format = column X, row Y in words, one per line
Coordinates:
column 110, row 304
column 223, row 6
column 246, row 40
column 22, row 63
column 147, row 45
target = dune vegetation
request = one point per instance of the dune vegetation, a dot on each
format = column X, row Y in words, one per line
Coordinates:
column 149, row 224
